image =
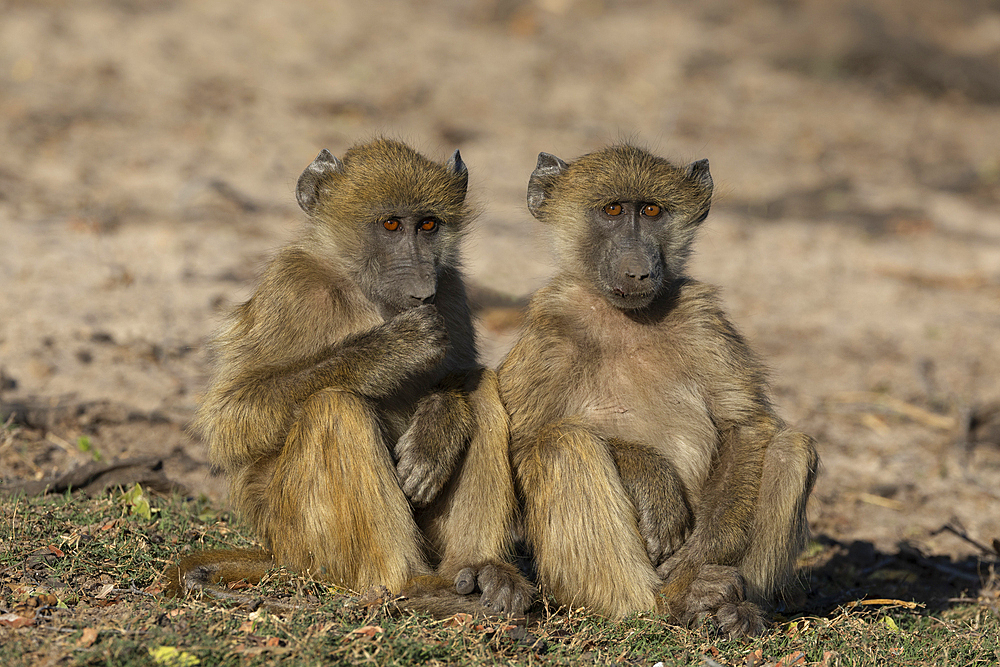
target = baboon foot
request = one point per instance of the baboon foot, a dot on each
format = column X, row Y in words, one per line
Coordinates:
column 718, row 594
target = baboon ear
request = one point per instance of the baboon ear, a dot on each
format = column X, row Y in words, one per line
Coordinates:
column 698, row 172
column 458, row 168
column 307, row 189
column 548, row 167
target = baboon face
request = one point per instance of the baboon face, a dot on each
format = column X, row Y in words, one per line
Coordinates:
column 392, row 216
column 404, row 256
column 624, row 252
column 623, row 220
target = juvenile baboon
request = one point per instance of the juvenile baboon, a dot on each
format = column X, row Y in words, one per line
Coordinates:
column 652, row 467
column 362, row 440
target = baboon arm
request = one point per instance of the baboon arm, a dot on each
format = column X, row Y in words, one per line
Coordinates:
column 659, row 496
column 246, row 415
column 735, row 391
column 534, row 399
column 438, row 434
column 372, row 363
column 704, row 575
column 724, row 515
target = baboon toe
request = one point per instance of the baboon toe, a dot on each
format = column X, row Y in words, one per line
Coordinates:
column 742, row 619
column 465, row 581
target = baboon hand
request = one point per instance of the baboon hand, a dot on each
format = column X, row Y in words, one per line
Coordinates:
column 421, row 477
column 663, row 534
column 504, row 590
column 426, row 454
column 423, row 331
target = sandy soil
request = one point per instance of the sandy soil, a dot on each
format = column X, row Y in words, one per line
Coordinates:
column 148, row 153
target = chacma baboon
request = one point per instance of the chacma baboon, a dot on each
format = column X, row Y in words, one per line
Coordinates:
column 362, row 440
column 653, row 469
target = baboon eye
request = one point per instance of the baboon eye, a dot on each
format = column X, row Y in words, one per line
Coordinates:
column 429, row 225
column 651, row 210
column 613, row 209
column 391, row 224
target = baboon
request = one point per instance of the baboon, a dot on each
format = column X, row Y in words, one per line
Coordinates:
column 652, row 468
column 361, row 438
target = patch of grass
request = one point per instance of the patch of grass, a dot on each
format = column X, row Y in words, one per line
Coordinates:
column 81, row 574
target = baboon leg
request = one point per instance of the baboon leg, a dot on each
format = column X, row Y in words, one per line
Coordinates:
column 780, row 528
column 582, row 525
column 469, row 526
column 337, row 508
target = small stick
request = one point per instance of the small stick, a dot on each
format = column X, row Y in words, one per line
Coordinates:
column 885, row 601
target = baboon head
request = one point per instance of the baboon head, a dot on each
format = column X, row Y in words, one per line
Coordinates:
column 390, row 216
column 623, row 220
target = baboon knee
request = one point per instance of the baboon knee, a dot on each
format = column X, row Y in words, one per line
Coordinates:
column 336, row 418
column 564, row 450
column 791, row 463
column 566, row 442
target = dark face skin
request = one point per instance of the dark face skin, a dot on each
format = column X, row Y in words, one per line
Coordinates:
column 403, row 261
column 626, row 252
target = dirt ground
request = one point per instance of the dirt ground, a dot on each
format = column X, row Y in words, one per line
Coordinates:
column 149, row 150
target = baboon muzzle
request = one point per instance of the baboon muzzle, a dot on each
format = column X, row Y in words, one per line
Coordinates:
column 635, row 275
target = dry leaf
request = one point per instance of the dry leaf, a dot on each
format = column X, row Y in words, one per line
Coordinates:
column 89, row 637
column 368, row 632
column 105, row 591
column 797, row 658
column 272, row 642
column 55, row 550
column 754, row 659
column 459, row 620
column 15, row 620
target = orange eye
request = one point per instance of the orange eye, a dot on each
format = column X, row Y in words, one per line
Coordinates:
column 429, row 225
column 651, row 210
column 613, row 210
column 392, row 225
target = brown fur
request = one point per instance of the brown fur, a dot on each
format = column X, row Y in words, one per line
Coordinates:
column 361, row 439
column 653, row 469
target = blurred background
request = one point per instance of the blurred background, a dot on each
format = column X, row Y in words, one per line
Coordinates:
column 149, row 151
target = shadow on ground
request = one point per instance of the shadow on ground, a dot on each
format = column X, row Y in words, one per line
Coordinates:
column 854, row 574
